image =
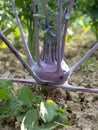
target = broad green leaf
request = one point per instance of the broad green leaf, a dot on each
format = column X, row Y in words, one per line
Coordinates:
column 4, row 110
column 51, row 112
column 4, row 94
column 29, row 120
column 48, row 126
column 48, row 110
column 62, row 119
column 20, row 117
column 25, row 96
column 10, row 108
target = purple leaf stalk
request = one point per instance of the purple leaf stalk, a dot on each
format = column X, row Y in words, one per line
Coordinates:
column 49, row 68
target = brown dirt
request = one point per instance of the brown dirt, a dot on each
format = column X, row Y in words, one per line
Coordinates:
column 82, row 108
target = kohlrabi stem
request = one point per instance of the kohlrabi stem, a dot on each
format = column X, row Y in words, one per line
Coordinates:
column 59, row 35
column 36, row 35
column 88, row 54
column 44, row 52
column 64, row 39
column 46, row 14
column 31, row 81
column 22, row 35
column 67, row 19
column 14, row 50
column 50, row 52
column 53, row 53
column 48, row 25
column 77, row 88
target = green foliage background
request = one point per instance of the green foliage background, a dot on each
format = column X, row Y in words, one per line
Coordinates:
column 90, row 9
column 84, row 11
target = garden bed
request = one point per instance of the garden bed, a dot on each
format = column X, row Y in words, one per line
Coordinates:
column 82, row 108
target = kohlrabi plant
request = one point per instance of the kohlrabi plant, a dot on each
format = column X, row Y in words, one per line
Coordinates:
column 49, row 69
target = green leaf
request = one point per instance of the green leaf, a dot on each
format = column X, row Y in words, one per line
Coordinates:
column 4, row 109
column 20, row 117
column 19, row 4
column 63, row 119
column 29, row 120
column 4, row 94
column 48, row 110
column 25, row 96
column 5, row 83
column 48, row 126
column 9, row 108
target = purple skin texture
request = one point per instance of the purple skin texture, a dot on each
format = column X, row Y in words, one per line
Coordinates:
column 51, row 70
column 48, row 72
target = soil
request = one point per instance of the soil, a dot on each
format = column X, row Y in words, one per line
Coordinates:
column 82, row 108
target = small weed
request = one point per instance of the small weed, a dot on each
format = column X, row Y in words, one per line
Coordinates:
column 89, row 65
column 86, row 81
